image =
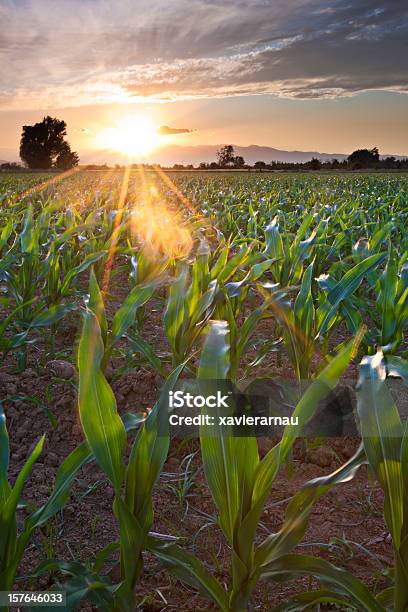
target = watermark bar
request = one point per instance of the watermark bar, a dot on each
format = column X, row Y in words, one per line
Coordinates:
column 19, row 599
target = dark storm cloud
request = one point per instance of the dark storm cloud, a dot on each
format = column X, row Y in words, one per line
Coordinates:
column 74, row 52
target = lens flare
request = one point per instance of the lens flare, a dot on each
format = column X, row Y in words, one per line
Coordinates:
column 159, row 230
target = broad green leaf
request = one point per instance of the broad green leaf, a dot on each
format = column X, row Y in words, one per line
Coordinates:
column 190, row 570
column 52, row 315
column 126, row 314
column 96, row 304
column 345, row 287
column 338, row 580
column 382, row 433
column 100, row 421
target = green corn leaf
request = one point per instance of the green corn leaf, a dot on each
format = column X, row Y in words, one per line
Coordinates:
column 382, row 433
column 126, row 314
column 343, row 583
column 303, row 307
column 267, row 469
column 96, row 304
column 139, row 345
column 386, row 300
column 6, row 233
column 28, row 236
column 175, row 309
column 88, row 261
column 52, row 315
column 248, row 328
column 214, row 361
column 273, row 239
column 204, row 305
column 66, row 474
column 190, row 570
column 229, row 462
column 239, row 259
column 100, row 421
column 4, row 458
column 386, row 597
column 299, row 509
column 61, row 490
column 344, row 288
column 218, row 448
column 396, row 366
column 15, row 494
column 311, row 599
column 259, row 269
column 9, row 557
column 220, row 263
column 148, row 455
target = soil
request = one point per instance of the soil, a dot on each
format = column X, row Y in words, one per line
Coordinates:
column 346, row 526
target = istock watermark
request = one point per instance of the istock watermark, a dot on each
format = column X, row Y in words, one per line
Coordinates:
column 261, row 407
column 180, row 399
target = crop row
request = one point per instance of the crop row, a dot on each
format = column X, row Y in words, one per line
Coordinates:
column 320, row 263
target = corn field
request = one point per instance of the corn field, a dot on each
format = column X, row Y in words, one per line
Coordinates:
column 116, row 288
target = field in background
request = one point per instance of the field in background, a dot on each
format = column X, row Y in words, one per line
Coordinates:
column 131, row 279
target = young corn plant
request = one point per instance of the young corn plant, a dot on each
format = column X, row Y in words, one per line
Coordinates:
column 385, row 446
column 193, row 296
column 308, row 324
column 15, row 540
column 106, row 436
column 289, row 252
column 123, row 319
column 392, row 305
column 145, row 267
column 240, row 483
column 232, row 304
column 39, row 281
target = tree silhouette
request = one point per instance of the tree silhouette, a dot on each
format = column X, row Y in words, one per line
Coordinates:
column 43, row 145
column 315, row 164
column 239, row 161
column 66, row 158
column 364, row 158
column 225, row 155
column 259, row 165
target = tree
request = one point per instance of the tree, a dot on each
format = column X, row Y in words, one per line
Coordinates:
column 43, row 145
column 66, row 158
column 364, row 158
column 259, row 165
column 225, row 155
column 11, row 166
column 239, row 161
column 315, row 164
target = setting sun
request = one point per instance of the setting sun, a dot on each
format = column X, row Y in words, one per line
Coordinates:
column 133, row 136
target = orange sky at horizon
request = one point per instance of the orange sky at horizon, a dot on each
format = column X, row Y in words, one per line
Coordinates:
column 332, row 126
column 315, row 75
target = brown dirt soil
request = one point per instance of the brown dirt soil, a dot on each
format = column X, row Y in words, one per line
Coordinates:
column 346, row 526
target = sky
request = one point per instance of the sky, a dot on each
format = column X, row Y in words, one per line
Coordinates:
column 292, row 74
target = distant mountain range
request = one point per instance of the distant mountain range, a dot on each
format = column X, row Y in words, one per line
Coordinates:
column 190, row 154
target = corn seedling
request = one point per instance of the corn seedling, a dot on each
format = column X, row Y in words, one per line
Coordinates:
column 240, row 483
column 106, row 436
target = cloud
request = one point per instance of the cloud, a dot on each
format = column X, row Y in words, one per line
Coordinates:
column 77, row 52
column 165, row 130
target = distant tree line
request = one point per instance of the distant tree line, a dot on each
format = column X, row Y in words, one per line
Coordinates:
column 358, row 160
column 43, row 147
